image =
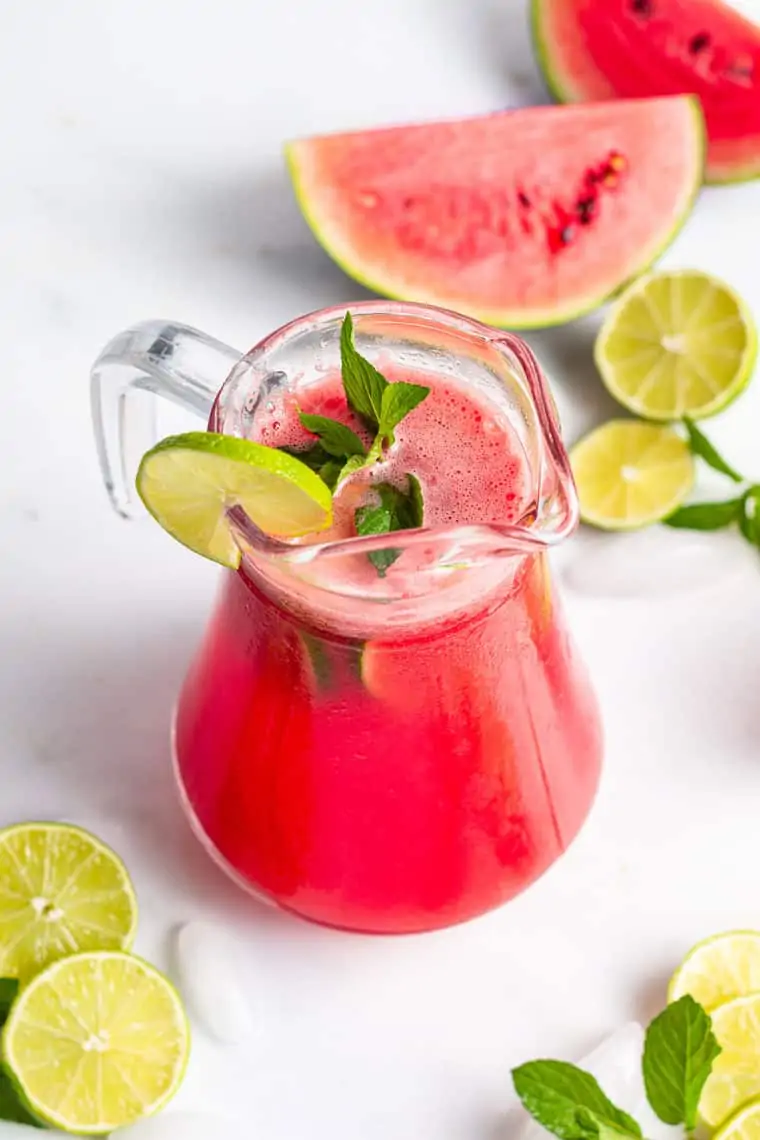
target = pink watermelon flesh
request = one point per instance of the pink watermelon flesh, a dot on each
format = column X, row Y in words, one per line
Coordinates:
column 523, row 218
column 607, row 49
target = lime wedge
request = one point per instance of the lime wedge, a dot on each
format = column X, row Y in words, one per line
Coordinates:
column 735, row 1078
column 187, row 482
column 719, row 969
column 61, row 890
column 630, row 473
column 96, row 1042
column 743, row 1125
column 678, row 343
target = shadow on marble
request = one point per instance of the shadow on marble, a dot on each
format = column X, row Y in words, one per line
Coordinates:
column 499, row 39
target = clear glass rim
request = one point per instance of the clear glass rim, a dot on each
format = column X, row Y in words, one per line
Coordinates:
column 534, row 533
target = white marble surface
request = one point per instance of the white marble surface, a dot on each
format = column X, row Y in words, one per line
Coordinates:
column 140, row 144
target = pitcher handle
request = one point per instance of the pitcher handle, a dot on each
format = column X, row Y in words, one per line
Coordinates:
column 155, row 358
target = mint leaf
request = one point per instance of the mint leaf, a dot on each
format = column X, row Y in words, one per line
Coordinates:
column 399, row 400
column 706, row 516
column 314, row 457
column 355, row 463
column 330, row 473
column 395, row 511
column 379, row 519
column 679, row 1051
column 362, row 383
column 8, row 991
column 11, row 1107
column 702, row 447
column 569, row 1102
column 749, row 518
column 610, row 1132
column 337, row 439
column 601, row 1129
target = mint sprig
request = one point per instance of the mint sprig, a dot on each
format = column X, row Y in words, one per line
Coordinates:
column 680, row 1049
column 395, row 510
column 738, row 509
column 339, row 452
column 336, row 438
column 569, row 1102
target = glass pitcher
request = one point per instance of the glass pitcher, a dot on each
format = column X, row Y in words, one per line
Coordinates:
column 387, row 758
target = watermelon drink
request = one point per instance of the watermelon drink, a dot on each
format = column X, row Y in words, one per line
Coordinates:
column 396, row 749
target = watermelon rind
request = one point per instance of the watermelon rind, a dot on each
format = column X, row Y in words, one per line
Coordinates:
column 508, row 319
column 562, row 91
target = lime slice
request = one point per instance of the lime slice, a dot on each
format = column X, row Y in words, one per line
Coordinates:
column 735, row 1078
column 187, row 482
column 744, row 1125
column 719, row 969
column 677, row 344
column 61, row 890
column 630, row 473
column 96, row 1042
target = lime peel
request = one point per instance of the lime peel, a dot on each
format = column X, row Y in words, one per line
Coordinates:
column 97, row 1042
column 189, row 482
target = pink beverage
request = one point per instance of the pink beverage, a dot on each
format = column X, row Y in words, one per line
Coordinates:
column 396, row 753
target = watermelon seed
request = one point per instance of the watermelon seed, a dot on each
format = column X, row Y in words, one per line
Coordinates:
column 642, row 7
column 586, row 208
column 523, row 199
column 741, row 69
column 699, row 42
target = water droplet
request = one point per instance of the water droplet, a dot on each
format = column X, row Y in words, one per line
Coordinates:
column 183, row 1126
column 653, row 562
column 208, row 976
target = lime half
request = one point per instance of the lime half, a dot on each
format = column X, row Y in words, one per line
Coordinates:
column 719, row 969
column 735, row 1078
column 61, row 891
column 188, row 482
column 677, row 344
column 96, row 1042
column 630, row 474
column 743, row 1125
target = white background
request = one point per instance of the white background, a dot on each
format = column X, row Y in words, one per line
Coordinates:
column 141, row 176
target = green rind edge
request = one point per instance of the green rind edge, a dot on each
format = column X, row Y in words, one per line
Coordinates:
column 543, row 57
column 511, row 320
column 29, row 1103
column 743, row 378
column 542, row 54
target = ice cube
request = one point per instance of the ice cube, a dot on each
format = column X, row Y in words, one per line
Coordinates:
column 208, row 976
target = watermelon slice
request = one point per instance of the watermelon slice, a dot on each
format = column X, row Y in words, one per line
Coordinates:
column 521, row 218
column 606, row 49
